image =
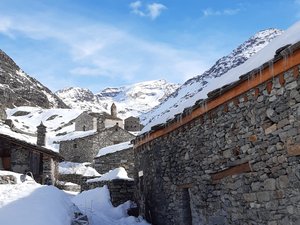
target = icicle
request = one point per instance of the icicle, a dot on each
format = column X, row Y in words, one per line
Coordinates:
column 260, row 73
column 271, row 69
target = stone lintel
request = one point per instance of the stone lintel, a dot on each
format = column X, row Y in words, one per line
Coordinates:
column 242, row 168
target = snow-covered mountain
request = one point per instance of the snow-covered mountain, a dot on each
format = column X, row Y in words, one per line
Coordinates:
column 188, row 93
column 18, row 89
column 131, row 100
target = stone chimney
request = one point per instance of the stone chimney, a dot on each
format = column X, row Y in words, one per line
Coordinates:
column 41, row 135
column 113, row 110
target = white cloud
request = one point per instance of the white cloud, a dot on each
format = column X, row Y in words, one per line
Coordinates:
column 224, row 12
column 136, row 8
column 101, row 50
column 152, row 10
column 155, row 9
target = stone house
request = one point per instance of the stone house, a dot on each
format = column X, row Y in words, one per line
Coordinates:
column 132, row 124
column 21, row 157
column 230, row 159
column 111, row 157
column 97, row 121
column 84, row 149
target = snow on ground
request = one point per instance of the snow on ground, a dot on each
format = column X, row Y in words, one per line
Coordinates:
column 114, row 148
column 77, row 168
column 290, row 36
column 35, row 204
column 97, row 206
column 118, row 173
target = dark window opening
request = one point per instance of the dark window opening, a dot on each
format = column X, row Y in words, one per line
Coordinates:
column 5, row 159
column 74, row 145
column 84, row 128
column 186, row 207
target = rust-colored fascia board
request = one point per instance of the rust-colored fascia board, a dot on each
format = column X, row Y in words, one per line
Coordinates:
column 266, row 74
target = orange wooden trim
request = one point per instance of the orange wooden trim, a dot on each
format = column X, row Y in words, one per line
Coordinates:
column 256, row 92
column 281, row 79
column 279, row 67
column 296, row 72
column 269, row 87
column 242, row 168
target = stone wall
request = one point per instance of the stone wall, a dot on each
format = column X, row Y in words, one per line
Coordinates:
column 132, row 124
column 123, row 158
column 73, row 178
column 85, row 149
column 237, row 164
column 84, row 122
column 120, row 190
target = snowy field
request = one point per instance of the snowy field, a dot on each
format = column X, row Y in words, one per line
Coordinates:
column 29, row 203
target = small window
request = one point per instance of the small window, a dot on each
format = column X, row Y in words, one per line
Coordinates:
column 84, row 128
column 74, row 145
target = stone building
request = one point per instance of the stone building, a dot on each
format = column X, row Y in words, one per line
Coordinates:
column 84, row 149
column 2, row 114
column 111, row 157
column 97, row 121
column 21, row 157
column 230, row 159
column 132, row 124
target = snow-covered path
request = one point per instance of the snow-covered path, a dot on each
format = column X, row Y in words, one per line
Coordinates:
column 97, row 206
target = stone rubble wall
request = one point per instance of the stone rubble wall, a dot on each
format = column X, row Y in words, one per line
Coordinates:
column 86, row 148
column 123, row 158
column 239, row 163
column 120, row 190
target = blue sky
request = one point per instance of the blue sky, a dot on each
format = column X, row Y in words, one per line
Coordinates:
column 109, row 43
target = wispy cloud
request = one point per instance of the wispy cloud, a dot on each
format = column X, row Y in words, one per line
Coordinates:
column 224, row 12
column 101, row 50
column 152, row 10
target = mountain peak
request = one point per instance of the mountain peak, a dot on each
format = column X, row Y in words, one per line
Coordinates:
column 131, row 100
column 17, row 88
column 185, row 95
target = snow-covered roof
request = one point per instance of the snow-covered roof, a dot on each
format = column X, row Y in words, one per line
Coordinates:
column 26, row 140
column 114, row 148
column 77, row 168
column 118, row 173
column 290, row 36
column 75, row 135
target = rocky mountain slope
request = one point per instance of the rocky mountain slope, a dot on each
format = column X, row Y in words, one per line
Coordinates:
column 131, row 100
column 186, row 95
column 17, row 88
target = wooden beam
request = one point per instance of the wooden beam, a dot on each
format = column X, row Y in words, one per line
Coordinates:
column 266, row 74
column 242, row 168
column 183, row 186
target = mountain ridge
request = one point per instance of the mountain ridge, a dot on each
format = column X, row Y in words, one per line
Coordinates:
column 18, row 88
column 183, row 96
column 131, row 100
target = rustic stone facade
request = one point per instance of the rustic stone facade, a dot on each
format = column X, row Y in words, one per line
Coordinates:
column 85, row 122
column 120, row 190
column 21, row 157
column 96, row 121
column 86, row 148
column 235, row 164
column 123, row 158
column 132, row 124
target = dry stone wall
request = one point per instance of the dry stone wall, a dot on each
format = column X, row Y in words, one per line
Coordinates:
column 237, row 164
column 86, row 148
column 120, row 190
column 123, row 158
